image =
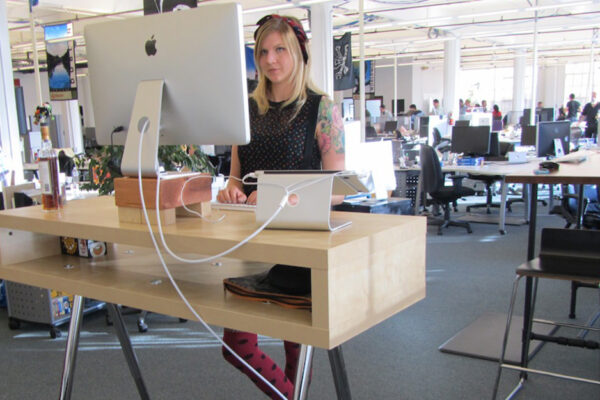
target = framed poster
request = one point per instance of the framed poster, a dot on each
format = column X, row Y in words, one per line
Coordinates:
column 62, row 78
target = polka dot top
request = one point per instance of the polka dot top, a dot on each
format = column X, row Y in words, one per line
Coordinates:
column 276, row 143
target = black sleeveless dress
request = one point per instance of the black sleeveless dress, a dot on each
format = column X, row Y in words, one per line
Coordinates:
column 276, row 143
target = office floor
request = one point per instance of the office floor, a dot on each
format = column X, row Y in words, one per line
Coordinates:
column 467, row 275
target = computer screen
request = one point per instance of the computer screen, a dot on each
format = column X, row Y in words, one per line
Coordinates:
column 494, row 144
column 203, row 101
column 546, row 114
column 471, row 140
column 424, row 126
column 462, row 122
column 547, row 132
column 528, row 135
column 399, row 106
column 390, row 126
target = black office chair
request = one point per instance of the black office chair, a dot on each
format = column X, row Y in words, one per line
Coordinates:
column 440, row 144
column 489, row 181
column 443, row 196
column 370, row 131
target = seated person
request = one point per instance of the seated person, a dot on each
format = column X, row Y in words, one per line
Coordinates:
column 414, row 113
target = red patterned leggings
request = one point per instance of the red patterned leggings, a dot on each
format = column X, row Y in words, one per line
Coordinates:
column 245, row 344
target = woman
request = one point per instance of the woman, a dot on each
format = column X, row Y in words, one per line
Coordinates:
column 496, row 114
column 288, row 117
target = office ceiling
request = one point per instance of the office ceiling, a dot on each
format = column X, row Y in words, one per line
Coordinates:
column 490, row 31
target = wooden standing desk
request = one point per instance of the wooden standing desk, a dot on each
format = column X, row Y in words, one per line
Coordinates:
column 360, row 275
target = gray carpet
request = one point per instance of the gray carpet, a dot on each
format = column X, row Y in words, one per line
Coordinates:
column 467, row 276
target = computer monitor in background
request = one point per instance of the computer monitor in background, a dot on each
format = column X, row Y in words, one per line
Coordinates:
column 462, row 123
column 547, row 132
column 390, row 126
column 186, row 97
column 546, row 115
column 423, row 126
column 494, row 144
column 528, row 135
column 399, row 109
column 471, row 140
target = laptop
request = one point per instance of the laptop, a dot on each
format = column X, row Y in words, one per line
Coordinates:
column 309, row 206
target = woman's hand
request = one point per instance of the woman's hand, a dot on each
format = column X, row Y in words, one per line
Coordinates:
column 252, row 198
column 232, row 194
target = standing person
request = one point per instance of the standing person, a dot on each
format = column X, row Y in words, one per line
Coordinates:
column 573, row 108
column 437, row 108
column 283, row 110
column 496, row 114
column 590, row 115
column 385, row 115
column 484, row 106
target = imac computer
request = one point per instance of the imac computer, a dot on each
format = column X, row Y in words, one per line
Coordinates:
column 548, row 132
column 462, row 123
column 180, row 76
column 471, row 140
column 546, row 114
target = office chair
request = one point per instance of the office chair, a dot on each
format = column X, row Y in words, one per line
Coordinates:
column 370, row 131
column 440, row 144
column 443, row 196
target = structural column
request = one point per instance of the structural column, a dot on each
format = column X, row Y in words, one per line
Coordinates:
column 518, row 85
column 9, row 126
column 451, row 71
column 321, row 46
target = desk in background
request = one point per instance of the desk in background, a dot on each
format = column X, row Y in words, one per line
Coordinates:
column 360, row 275
column 399, row 206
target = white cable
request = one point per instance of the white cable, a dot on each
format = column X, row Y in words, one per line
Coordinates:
column 172, row 280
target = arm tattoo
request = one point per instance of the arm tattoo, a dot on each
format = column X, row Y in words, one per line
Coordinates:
column 331, row 128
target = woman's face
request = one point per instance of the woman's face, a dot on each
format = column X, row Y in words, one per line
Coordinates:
column 275, row 60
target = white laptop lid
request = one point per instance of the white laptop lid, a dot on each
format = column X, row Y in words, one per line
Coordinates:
column 311, row 189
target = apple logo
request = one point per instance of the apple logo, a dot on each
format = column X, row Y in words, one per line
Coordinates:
column 151, row 46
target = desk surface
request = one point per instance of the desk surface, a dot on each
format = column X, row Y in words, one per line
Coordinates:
column 586, row 172
column 360, row 275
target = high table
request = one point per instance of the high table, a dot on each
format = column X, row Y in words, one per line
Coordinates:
column 360, row 275
column 584, row 173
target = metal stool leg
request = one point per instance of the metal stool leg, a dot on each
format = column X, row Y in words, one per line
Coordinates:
column 338, row 370
column 505, row 339
column 130, row 356
column 303, row 372
column 66, row 384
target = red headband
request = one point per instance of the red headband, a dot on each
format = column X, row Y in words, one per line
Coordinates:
column 296, row 27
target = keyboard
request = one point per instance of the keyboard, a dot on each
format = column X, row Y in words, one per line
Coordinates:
column 233, row 206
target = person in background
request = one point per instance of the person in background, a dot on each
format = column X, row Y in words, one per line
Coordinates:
column 286, row 112
column 468, row 106
column 462, row 110
column 385, row 115
column 590, row 116
column 540, row 105
column 573, row 108
column 562, row 115
column 484, row 106
column 437, row 108
column 496, row 114
column 414, row 113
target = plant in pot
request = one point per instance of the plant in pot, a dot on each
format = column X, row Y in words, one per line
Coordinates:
column 105, row 164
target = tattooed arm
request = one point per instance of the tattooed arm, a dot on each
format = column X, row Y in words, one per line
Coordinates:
column 330, row 136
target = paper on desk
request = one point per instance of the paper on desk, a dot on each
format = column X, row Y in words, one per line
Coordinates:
column 574, row 158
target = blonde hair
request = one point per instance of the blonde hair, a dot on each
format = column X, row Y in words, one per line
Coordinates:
column 300, row 76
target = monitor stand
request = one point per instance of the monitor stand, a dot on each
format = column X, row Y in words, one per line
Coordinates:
column 146, row 108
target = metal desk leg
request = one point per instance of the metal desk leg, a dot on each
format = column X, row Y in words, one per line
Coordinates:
column 502, row 216
column 66, row 384
column 338, row 370
column 130, row 356
column 303, row 372
column 579, row 208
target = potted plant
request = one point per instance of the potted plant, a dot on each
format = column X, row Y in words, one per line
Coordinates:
column 105, row 164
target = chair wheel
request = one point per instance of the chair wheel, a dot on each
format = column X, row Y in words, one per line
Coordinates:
column 469, row 230
column 142, row 327
column 13, row 323
column 54, row 333
column 502, row 232
column 182, row 320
